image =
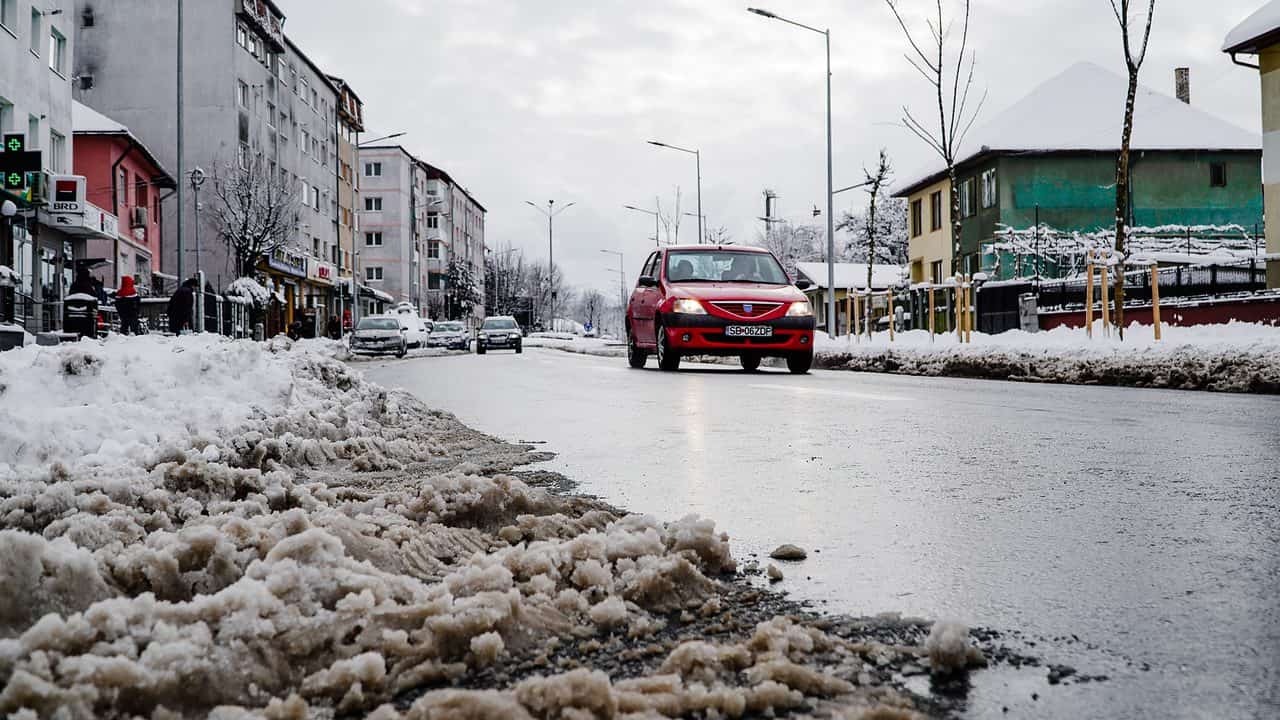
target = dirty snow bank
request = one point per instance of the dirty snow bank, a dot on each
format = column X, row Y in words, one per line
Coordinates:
column 1235, row 357
column 197, row 523
column 579, row 345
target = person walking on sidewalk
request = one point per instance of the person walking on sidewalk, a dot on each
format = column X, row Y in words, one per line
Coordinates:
column 180, row 307
column 128, row 305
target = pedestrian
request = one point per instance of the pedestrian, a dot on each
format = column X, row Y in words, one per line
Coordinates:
column 181, row 305
column 295, row 330
column 128, row 305
column 332, row 329
column 83, row 284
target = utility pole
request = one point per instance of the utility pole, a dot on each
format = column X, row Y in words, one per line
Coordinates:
column 197, row 179
column 182, row 208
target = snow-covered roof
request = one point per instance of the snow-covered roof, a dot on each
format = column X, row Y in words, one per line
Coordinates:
column 87, row 121
column 1079, row 110
column 1264, row 22
column 852, row 275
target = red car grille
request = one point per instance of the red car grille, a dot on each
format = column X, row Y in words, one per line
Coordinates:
column 747, row 309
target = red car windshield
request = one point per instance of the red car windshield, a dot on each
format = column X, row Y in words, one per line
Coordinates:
column 724, row 266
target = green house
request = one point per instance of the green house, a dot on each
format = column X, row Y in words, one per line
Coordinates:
column 1051, row 159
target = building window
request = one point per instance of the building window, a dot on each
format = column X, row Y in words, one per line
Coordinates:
column 373, row 273
column 989, row 188
column 140, row 192
column 968, row 204
column 242, row 93
column 917, row 222
column 1217, row 174
column 373, row 239
column 9, row 15
column 433, row 249
column 315, row 198
column 57, row 51
column 57, row 152
column 33, row 132
column 242, row 37
column 936, row 270
column 435, row 281
column 935, row 211
column 373, row 204
column 373, row 169
column 433, row 221
column 6, row 115
column 35, row 31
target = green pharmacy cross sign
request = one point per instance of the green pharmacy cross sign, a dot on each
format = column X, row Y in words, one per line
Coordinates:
column 16, row 162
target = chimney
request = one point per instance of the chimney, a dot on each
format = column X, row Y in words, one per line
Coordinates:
column 1182, row 84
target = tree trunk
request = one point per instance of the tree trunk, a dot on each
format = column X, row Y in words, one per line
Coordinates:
column 1122, row 200
column 871, row 238
column 955, row 219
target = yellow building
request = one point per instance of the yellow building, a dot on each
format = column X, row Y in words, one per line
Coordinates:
column 929, row 228
column 1259, row 35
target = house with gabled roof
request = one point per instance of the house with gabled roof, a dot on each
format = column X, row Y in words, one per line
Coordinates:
column 1051, row 158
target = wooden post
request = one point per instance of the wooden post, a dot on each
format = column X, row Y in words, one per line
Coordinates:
column 1155, row 299
column 968, row 309
column 890, row 294
column 1106, row 301
column 931, row 319
column 1088, row 294
column 848, row 311
column 857, row 328
column 959, row 307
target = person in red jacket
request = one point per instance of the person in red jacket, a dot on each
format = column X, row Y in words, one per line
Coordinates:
column 128, row 305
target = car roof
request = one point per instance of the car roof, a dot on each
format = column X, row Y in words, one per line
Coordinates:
column 718, row 248
column 500, row 317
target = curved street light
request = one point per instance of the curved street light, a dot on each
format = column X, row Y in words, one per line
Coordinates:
column 551, row 214
column 698, row 159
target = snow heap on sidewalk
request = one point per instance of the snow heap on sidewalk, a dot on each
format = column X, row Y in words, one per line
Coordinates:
column 1235, row 357
column 198, row 523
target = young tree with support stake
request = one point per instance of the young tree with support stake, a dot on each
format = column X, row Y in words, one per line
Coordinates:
column 1134, row 55
column 946, row 74
column 875, row 182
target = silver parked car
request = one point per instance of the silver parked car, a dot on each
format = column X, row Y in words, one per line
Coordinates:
column 451, row 335
column 501, row 332
column 379, row 335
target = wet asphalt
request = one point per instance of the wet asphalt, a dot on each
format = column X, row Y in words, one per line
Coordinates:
column 1126, row 533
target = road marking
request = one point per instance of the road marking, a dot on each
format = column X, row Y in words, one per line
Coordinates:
column 808, row 390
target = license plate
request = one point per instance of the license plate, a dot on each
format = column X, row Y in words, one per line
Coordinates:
column 756, row 331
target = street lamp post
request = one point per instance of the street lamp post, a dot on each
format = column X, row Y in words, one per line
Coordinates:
column 551, row 214
column 831, row 230
column 622, row 280
column 197, row 179
column 656, row 218
column 698, row 161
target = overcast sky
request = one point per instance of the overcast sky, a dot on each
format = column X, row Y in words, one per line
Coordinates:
column 521, row 100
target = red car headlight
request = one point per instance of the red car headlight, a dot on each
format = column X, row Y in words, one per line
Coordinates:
column 800, row 309
column 688, row 306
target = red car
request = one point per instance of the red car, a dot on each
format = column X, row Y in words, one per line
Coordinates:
column 718, row 300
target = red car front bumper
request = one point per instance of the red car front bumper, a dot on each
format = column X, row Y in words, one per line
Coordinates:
column 706, row 335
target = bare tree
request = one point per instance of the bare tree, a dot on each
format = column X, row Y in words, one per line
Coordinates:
column 592, row 306
column 945, row 71
column 255, row 212
column 875, row 182
column 671, row 221
column 1134, row 55
column 719, row 236
column 792, row 243
column 893, row 245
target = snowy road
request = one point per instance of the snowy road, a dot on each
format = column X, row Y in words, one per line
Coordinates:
column 1144, row 523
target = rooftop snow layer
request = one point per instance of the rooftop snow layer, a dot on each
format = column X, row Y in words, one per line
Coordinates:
column 852, row 274
column 1263, row 22
column 1080, row 109
column 87, row 120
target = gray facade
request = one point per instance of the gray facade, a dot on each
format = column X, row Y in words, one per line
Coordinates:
column 37, row 45
column 249, row 93
column 390, row 241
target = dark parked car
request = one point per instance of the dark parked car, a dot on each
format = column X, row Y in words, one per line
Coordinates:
column 499, row 333
column 379, row 335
